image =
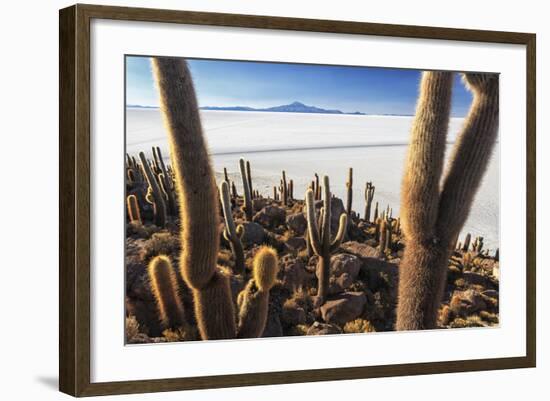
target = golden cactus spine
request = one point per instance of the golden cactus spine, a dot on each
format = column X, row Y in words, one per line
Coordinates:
column 254, row 299
column 432, row 216
column 132, row 205
column 155, row 195
column 320, row 236
column 164, row 287
column 198, row 204
column 247, row 189
column 231, row 233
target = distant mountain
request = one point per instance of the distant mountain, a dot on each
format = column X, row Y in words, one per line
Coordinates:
column 295, row 107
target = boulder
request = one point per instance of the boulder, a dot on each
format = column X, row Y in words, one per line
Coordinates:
column 254, row 234
column 293, row 272
column 344, row 308
column 344, row 269
column 297, row 222
column 295, row 243
column 270, row 216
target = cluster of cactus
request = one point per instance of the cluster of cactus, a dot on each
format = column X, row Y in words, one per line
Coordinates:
column 152, row 182
column 199, row 217
column 433, row 210
column 320, row 238
column 386, row 227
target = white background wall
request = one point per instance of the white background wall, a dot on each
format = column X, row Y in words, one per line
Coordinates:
column 28, row 196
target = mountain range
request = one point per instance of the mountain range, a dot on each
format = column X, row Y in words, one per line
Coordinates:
column 295, row 107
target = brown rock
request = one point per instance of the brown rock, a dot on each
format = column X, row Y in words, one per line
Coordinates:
column 270, row 216
column 297, row 223
column 344, row 308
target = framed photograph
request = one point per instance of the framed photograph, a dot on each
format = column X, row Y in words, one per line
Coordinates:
column 249, row 200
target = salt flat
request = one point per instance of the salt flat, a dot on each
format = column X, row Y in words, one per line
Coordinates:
column 303, row 144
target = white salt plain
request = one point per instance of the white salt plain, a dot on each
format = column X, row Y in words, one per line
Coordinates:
column 327, row 144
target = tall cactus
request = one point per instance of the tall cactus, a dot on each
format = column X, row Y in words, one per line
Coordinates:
column 164, row 287
column 157, row 197
column 231, row 233
column 254, row 299
column 433, row 216
column 247, row 189
column 369, row 196
column 320, row 236
column 198, row 207
column 213, row 303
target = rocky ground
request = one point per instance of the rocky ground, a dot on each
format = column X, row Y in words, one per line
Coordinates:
column 363, row 282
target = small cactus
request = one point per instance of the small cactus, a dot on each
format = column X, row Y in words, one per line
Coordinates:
column 133, row 209
column 164, row 287
column 247, row 189
column 349, row 192
column 254, row 299
column 466, row 244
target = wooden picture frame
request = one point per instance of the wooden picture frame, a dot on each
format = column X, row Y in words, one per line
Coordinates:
column 74, row 203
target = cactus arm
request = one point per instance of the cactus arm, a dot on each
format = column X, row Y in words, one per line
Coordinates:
column 425, row 157
column 471, row 154
column 312, row 228
column 340, row 234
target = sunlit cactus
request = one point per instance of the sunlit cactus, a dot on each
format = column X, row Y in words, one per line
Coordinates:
column 433, row 214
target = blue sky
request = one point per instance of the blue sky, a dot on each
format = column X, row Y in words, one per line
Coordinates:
column 243, row 83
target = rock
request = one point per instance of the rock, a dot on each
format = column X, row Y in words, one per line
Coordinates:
column 318, row 329
column 344, row 308
column 258, row 204
column 472, row 278
column 270, row 216
column 464, row 303
column 373, row 268
column 344, row 269
column 360, row 250
column 254, row 234
column 295, row 243
column 294, row 273
column 297, row 222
